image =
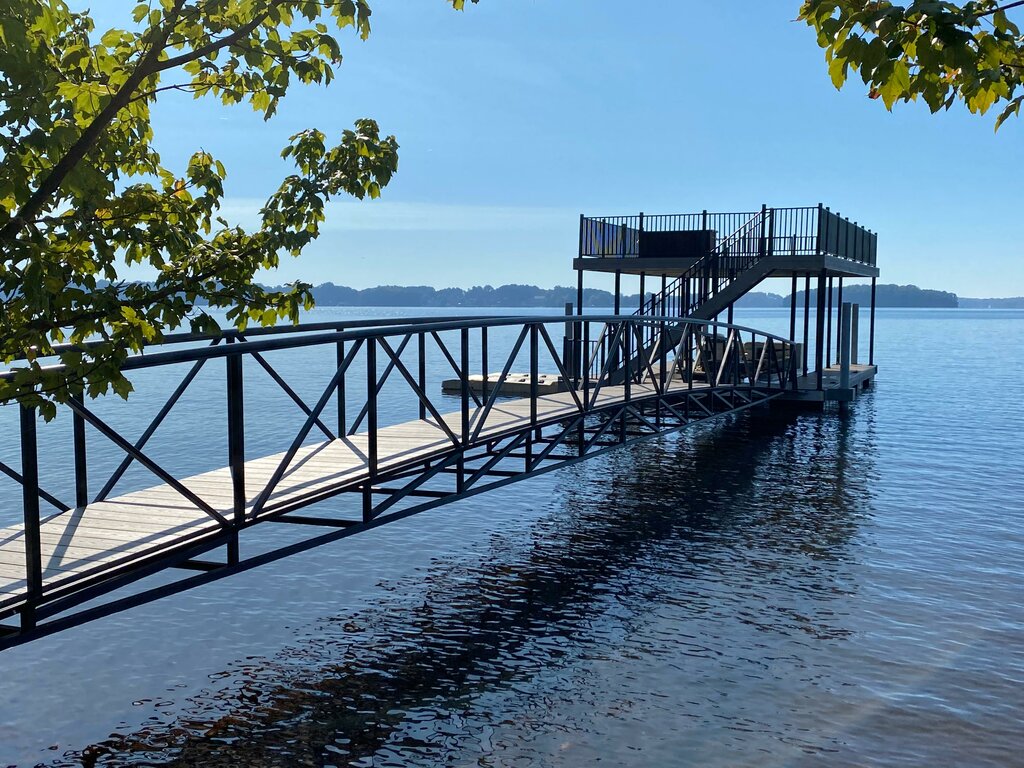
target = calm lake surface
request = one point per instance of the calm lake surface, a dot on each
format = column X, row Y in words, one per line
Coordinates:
column 768, row 589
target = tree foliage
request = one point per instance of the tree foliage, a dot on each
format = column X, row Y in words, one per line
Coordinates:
column 939, row 52
column 83, row 191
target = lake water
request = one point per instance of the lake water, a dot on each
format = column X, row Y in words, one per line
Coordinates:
column 765, row 589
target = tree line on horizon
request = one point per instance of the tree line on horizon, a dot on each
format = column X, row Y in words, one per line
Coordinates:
column 517, row 295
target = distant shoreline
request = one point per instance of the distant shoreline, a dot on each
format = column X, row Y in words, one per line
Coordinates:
column 887, row 295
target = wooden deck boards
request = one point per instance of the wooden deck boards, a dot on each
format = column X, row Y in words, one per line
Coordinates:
column 113, row 533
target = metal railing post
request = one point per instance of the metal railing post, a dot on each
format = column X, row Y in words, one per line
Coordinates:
column 30, row 509
column 460, row 468
column 81, row 464
column 822, row 226
column 421, row 343
column 585, row 362
column 795, row 355
column 534, row 391
column 484, row 388
column 371, row 428
column 639, row 239
column 340, row 394
column 236, row 448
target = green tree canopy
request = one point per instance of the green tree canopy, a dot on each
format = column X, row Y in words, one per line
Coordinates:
column 83, row 191
column 939, row 52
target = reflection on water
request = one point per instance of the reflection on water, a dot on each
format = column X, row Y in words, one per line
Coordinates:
column 765, row 590
column 646, row 543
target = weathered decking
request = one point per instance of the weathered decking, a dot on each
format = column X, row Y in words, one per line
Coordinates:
column 113, row 534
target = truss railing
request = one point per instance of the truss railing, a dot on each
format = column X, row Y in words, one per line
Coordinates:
column 612, row 380
column 798, row 231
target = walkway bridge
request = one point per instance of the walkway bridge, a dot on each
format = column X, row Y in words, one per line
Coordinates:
column 379, row 430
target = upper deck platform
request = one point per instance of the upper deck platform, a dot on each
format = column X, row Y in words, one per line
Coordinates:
column 799, row 241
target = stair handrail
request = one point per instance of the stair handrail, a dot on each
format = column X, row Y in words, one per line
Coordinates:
column 705, row 264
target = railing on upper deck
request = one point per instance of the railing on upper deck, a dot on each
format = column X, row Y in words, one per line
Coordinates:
column 801, row 231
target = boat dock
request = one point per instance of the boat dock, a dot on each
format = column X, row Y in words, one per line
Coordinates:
column 532, row 394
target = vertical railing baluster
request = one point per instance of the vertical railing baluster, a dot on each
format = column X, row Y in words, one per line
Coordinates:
column 690, row 333
column 460, row 476
column 421, row 343
column 534, row 392
column 236, row 447
column 30, row 511
column 483, row 364
column 81, row 464
column 340, row 394
column 371, row 428
column 586, row 364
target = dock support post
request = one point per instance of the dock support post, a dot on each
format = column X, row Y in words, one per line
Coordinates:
column 819, row 334
column 854, row 334
column 579, row 292
column 792, row 309
column 871, row 326
column 839, row 320
column 30, row 507
column 807, row 318
column 828, row 330
column 845, row 338
column 618, row 290
column 577, row 349
column 236, row 449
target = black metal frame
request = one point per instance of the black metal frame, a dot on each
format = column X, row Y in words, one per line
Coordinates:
column 797, row 231
column 670, row 371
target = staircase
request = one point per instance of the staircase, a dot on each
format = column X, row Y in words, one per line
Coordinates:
column 735, row 266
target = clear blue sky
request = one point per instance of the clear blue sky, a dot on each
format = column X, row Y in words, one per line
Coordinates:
column 517, row 115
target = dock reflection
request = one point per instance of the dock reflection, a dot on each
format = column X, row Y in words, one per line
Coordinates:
column 763, row 498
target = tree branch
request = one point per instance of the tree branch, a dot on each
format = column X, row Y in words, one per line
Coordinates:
column 1005, row 7
column 78, row 150
column 213, row 45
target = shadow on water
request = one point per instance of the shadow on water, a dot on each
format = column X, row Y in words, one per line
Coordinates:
column 766, row 498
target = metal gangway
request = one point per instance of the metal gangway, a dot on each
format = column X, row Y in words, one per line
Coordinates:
column 531, row 394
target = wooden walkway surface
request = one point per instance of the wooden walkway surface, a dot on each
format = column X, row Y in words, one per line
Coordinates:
column 112, row 534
